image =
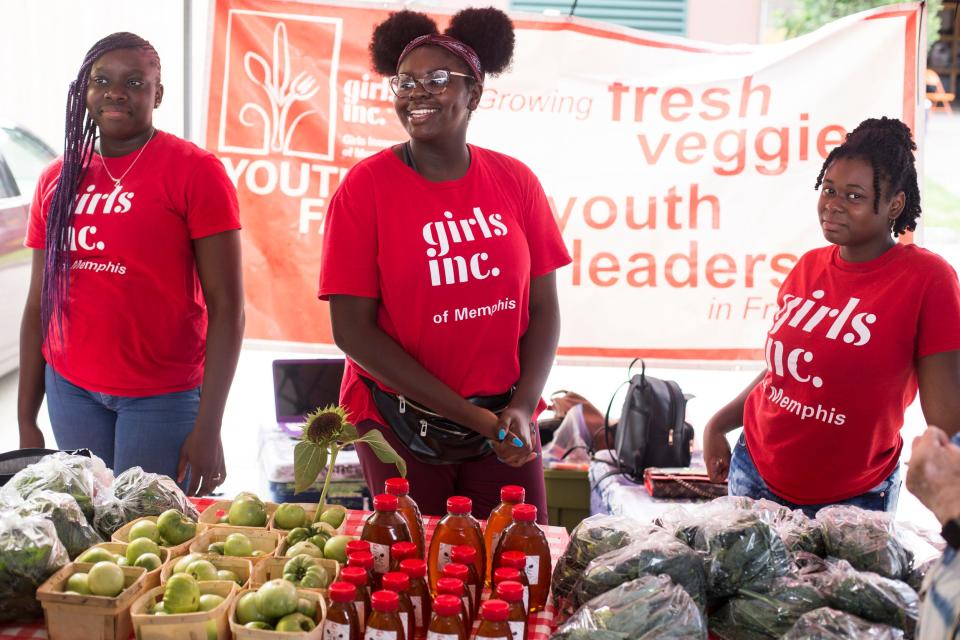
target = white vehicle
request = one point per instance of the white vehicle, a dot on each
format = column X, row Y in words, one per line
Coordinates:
column 23, row 156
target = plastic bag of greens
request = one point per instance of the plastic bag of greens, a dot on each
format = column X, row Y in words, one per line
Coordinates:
column 76, row 534
column 592, row 538
column 829, row 624
column 868, row 540
column 30, row 552
column 873, row 597
column 657, row 553
column 751, row 614
column 742, row 552
column 798, row 532
column 136, row 493
column 79, row 476
column 648, row 608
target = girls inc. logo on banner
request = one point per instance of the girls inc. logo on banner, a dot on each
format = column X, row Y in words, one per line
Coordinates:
column 442, row 236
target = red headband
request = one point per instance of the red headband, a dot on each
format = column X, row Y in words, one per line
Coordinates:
column 454, row 46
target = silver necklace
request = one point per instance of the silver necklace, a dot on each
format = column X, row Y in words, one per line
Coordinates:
column 116, row 181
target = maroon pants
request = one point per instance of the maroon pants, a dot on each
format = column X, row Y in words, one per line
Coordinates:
column 432, row 484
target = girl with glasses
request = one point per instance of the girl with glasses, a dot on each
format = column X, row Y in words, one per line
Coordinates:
column 136, row 261
column 438, row 263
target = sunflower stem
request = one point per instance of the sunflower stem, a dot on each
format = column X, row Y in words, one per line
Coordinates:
column 331, row 461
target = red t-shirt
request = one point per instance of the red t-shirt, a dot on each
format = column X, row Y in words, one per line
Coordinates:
column 136, row 323
column 824, row 423
column 450, row 262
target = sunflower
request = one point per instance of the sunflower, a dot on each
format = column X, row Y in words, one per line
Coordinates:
column 325, row 426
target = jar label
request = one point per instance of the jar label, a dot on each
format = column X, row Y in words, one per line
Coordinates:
column 381, row 557
column 405, row 620
column 533, row 570
column 379, row 634
column 433, row 635
column 516, row 629
column 361, row 611
column 417, row 602
column 335, row 630
column 444, row 557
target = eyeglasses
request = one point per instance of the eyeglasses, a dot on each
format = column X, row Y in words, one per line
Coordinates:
column 434, row 83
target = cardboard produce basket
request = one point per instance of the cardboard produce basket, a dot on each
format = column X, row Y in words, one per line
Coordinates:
column 152, row 578
column 240, row 632
column 240, row 566
column 272, row 568
column 311, row 509
column 211, row 515
column 261, row 539
column 88, row 617
column 185, row 626
column 123, row 535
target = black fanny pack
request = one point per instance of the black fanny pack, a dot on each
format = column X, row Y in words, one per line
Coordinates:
column 430, row 437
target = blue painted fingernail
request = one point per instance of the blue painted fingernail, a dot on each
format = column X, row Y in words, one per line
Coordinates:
column 517, row 442
column 501, row 434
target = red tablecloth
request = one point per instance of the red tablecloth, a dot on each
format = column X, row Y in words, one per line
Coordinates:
column 539, row 627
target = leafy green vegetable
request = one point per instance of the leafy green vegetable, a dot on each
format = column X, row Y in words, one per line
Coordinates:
column 30, row 552
column 592, row 538
column 874, row 598
column 742, row 552
column 62, row 510
column 78, row 476
column 657, row 553
column 766, row 615
column 830, row 624
column 866, row 539
column 648, row 608
column 136, row 493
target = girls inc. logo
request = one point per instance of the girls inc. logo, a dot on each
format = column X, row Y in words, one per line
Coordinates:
column 441, row 236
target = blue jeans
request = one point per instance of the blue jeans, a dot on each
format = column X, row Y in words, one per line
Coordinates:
column 744, row 480
column 125, row 431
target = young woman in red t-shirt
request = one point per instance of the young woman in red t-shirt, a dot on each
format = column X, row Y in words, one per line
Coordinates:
column 438, row 263
column 136, row 253
column 862, row 324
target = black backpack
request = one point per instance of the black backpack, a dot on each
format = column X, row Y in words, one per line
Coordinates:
column 652, row 431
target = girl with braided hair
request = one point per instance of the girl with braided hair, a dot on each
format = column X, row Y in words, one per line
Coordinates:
column 862, row 325
column 438, row 263
column 136, row 251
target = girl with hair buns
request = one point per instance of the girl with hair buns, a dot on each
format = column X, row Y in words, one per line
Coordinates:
column 136, row 258
column 438, row 263
column 861, row 325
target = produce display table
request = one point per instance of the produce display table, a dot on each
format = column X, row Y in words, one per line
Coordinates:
column 540, row 624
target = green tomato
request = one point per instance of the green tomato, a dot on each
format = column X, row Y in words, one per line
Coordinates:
column 264, row 626
column 277, row 598
column 237, row 544
column 121, row 561
column 78, row 583
column 289, row 516
column 305, row 547
column 319, row 541
column 184, row 562
column 144, row 529
column 202, row 570
column 258, row 553
column 209, row 601
column 296, row 567
column 216, row 548
column 158, row 609
column 181, row 594
column 105, row 579
column 175, row 528
column 334, row 515
column 316, row 578
column 226, row 574
column 149, row 561
column 247, row 510
column 307, row 607
column 336, row 548
column 247, row 610
column 96, row 554
column 298, row 534
column 140, row 546
column 295, row 623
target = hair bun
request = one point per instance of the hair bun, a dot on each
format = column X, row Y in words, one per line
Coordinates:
column 393, row 34
column 884, row 126
column 487, row 31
